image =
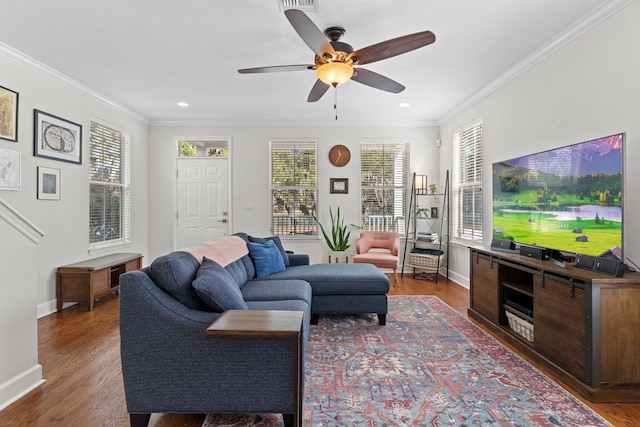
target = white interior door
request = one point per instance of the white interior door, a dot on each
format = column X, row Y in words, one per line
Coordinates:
column 203, row 188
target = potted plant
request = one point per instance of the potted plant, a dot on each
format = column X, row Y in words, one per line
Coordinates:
column 422, row 213
column 338, row 241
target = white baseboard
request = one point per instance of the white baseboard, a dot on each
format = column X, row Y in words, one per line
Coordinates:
column 21, row 384
column 50, row 307
column 46, row 308
column 460, row 280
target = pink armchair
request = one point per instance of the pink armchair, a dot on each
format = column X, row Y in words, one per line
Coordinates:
column 379, row 248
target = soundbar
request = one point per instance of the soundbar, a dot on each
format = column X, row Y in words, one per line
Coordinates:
column 535, row 252
column 609, row 266
column 503, row 245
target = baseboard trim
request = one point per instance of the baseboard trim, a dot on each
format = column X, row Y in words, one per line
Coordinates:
column 46, row 308
column 459, row 279
column 20, row 385
column 50, row 307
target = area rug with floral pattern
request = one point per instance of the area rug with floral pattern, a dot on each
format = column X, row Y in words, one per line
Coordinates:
column 429, row 366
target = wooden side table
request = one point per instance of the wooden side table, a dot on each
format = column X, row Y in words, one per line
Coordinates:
column 90, row 279
column 266, row 324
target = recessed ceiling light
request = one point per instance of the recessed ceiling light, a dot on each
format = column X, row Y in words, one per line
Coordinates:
column 404, row 105
column 182, row 104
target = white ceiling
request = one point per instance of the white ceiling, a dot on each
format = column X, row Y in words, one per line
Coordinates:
column 146, row 55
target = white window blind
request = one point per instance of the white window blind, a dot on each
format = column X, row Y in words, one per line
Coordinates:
column 383, row 168
column 294, row 187
column 467, row 182
column 109, row 198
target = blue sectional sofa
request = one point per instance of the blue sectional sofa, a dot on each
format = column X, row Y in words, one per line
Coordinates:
column 169, row 365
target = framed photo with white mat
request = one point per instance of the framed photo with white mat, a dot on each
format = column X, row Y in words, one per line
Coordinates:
column 48, row 183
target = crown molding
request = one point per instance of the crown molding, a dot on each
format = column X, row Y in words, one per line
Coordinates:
column 34, row 65
column 582, row 26
column 205, row 123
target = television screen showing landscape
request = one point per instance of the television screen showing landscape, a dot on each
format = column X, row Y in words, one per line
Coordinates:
column 569, row 198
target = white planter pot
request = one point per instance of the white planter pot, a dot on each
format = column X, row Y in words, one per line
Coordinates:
column 338, row 257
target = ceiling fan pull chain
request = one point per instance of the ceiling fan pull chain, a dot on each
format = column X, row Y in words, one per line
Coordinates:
column 335, row 100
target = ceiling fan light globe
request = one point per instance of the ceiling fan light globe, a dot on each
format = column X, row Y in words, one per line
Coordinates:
column 334, row 73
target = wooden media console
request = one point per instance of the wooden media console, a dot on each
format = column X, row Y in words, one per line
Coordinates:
column 580, row 325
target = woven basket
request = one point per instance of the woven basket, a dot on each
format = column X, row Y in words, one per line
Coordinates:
column 429, row 261
column 520, row 326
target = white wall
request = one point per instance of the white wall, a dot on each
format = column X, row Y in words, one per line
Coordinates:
column 64, row 223
column 587, row 89
column 250, row 175
column 19, row 367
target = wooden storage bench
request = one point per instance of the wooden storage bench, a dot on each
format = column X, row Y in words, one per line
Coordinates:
column 87, row 280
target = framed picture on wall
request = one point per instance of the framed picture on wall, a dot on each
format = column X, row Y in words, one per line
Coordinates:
column 8, row 114
column 339, row 185
column 48, row 183
column 57, row 138
column 9, row 170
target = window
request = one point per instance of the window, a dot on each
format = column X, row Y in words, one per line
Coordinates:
column 203, row 148
column 109, row 198
column 383, row 169
column 294, row 188
column 467, row 182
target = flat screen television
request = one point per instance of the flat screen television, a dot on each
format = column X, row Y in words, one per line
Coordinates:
column 569, row 199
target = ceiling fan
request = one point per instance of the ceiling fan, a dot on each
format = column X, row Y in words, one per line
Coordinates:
column 335, row 61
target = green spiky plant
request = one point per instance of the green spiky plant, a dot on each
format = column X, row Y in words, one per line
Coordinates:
column 339, row 239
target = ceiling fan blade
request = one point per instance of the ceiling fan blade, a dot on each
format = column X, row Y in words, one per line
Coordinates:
column 393, row 47
column 309, row 32
column 275, row 69
column 376, row 80
column 317, row 91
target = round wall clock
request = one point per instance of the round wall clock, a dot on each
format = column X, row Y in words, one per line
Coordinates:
column 339, row 155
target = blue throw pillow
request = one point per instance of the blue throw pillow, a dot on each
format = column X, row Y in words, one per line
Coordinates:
column 278, row 243
column 267, row 258
column 216, row 287
column 174, row 273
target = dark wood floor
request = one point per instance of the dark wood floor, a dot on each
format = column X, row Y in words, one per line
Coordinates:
column 79, row 352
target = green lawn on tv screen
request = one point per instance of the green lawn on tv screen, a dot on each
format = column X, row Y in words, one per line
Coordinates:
column 540, row 228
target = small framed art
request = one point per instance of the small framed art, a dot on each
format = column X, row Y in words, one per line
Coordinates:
column 8, row 114
column 434, row 212
column 57, row 138
column 339, row 185
column 48, row 183
column 9, row 170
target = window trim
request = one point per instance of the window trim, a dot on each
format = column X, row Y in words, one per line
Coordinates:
column 402, row 189
column 476, row 186
column 125, row 204
column 272, row 143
